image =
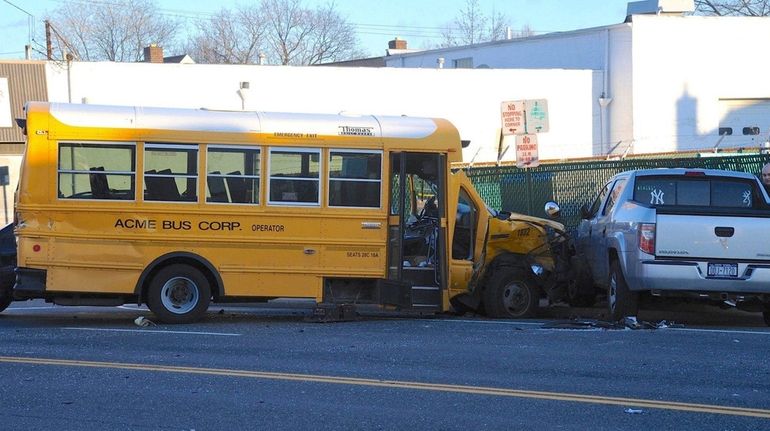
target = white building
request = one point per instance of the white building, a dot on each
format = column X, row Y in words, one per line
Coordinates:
column 471, row 99
column 668, row 82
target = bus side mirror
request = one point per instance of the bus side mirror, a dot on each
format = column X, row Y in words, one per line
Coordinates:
column 552, row 209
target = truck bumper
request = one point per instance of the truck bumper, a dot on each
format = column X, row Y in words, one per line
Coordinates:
column 691, row 276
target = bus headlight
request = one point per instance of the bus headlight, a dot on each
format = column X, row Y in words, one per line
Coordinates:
column 537, row 269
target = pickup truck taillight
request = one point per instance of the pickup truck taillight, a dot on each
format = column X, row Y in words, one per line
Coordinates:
column 647, row 237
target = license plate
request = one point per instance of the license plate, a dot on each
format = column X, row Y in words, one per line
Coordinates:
column 723, row 270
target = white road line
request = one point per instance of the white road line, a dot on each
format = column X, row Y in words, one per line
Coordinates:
column 148, row 331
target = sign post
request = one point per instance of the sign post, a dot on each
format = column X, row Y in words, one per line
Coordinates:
column 526, row 151
column 536, row 116
column 4, row 181
column 524, row 118
column 512, row 114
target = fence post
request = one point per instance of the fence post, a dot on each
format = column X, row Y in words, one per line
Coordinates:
column 528, row 179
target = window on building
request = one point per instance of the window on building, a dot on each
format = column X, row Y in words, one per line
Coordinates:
column 96, row 171
column 295, row 176
column 751, row 130
column 232, row 175
column 355, row 178
column 463, row 63
column 170, row 172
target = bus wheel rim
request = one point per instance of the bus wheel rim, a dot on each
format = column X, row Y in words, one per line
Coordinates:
column 515, row 298
column 179, row 295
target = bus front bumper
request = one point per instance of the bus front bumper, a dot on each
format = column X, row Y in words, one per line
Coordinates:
column 30, row 283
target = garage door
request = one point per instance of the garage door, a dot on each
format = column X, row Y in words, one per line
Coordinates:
column 744, row 122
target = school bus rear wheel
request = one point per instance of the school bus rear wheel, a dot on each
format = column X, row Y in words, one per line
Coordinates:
column 179, row 293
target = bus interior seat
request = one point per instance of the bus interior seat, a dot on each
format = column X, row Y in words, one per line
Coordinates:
column 100, row 188
column 217, row 188
column 162, row 188
column 237, row 187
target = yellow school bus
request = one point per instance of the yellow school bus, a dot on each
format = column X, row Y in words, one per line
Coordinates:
column 175, row 208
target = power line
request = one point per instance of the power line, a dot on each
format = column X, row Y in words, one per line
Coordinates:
column 30, row 21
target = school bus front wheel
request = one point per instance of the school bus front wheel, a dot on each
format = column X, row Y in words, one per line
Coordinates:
column 178, row 293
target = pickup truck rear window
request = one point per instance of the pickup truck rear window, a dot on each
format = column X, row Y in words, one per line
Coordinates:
column 697, row 191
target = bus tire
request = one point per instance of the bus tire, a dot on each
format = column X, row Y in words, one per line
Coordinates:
column 178, row 293
column 7, row 280
column 511, row 294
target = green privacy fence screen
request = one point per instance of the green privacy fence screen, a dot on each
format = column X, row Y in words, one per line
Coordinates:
column 573, row 184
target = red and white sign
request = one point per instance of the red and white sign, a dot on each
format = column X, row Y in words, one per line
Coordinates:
column 526, row 151
column 512, row 114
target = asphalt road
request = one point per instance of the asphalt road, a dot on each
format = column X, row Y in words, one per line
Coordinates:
column 248, row 367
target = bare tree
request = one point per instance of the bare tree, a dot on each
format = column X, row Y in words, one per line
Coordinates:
column 732, row 7
column 304, row 36
column 115, row 31
column 333, row 39
column 473, row 26
column 284, row 30
column 230, row 37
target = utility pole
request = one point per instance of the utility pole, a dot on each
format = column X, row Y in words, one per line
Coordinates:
column 48, row 44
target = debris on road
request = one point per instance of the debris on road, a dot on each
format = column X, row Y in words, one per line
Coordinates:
column 634, row 411
column 627, row 323
column 143, row 321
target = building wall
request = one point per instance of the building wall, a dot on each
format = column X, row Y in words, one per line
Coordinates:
column 26, row 80
column 684, row 67
column 471, row 99
column 581, row 49
column 672, row 80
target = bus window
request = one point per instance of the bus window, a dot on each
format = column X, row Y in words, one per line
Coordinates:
column 170, row 172
column 355, row 178
column 465, row 223
column 96, row 171
column 295, row 176
column 232, row 175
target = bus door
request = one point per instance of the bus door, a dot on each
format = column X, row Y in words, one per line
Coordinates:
column 417, row 230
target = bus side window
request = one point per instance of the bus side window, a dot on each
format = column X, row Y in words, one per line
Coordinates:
column 103, row 171
column 175, row 175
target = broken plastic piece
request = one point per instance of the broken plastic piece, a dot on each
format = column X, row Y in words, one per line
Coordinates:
column 143, row 321
column 634, row 411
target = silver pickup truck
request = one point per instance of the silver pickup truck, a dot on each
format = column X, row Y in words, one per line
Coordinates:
column 678, row 232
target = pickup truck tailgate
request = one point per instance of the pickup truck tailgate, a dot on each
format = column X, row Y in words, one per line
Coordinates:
column 712, row 237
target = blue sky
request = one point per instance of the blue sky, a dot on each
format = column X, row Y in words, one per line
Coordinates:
column 377, row 22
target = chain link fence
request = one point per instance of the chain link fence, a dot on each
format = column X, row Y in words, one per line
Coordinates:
column 573, row 184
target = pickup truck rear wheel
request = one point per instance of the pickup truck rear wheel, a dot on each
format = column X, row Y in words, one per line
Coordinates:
column 621, row 302
column 511, row 294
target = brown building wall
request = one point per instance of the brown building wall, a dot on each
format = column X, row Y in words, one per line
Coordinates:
column 26, row 81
